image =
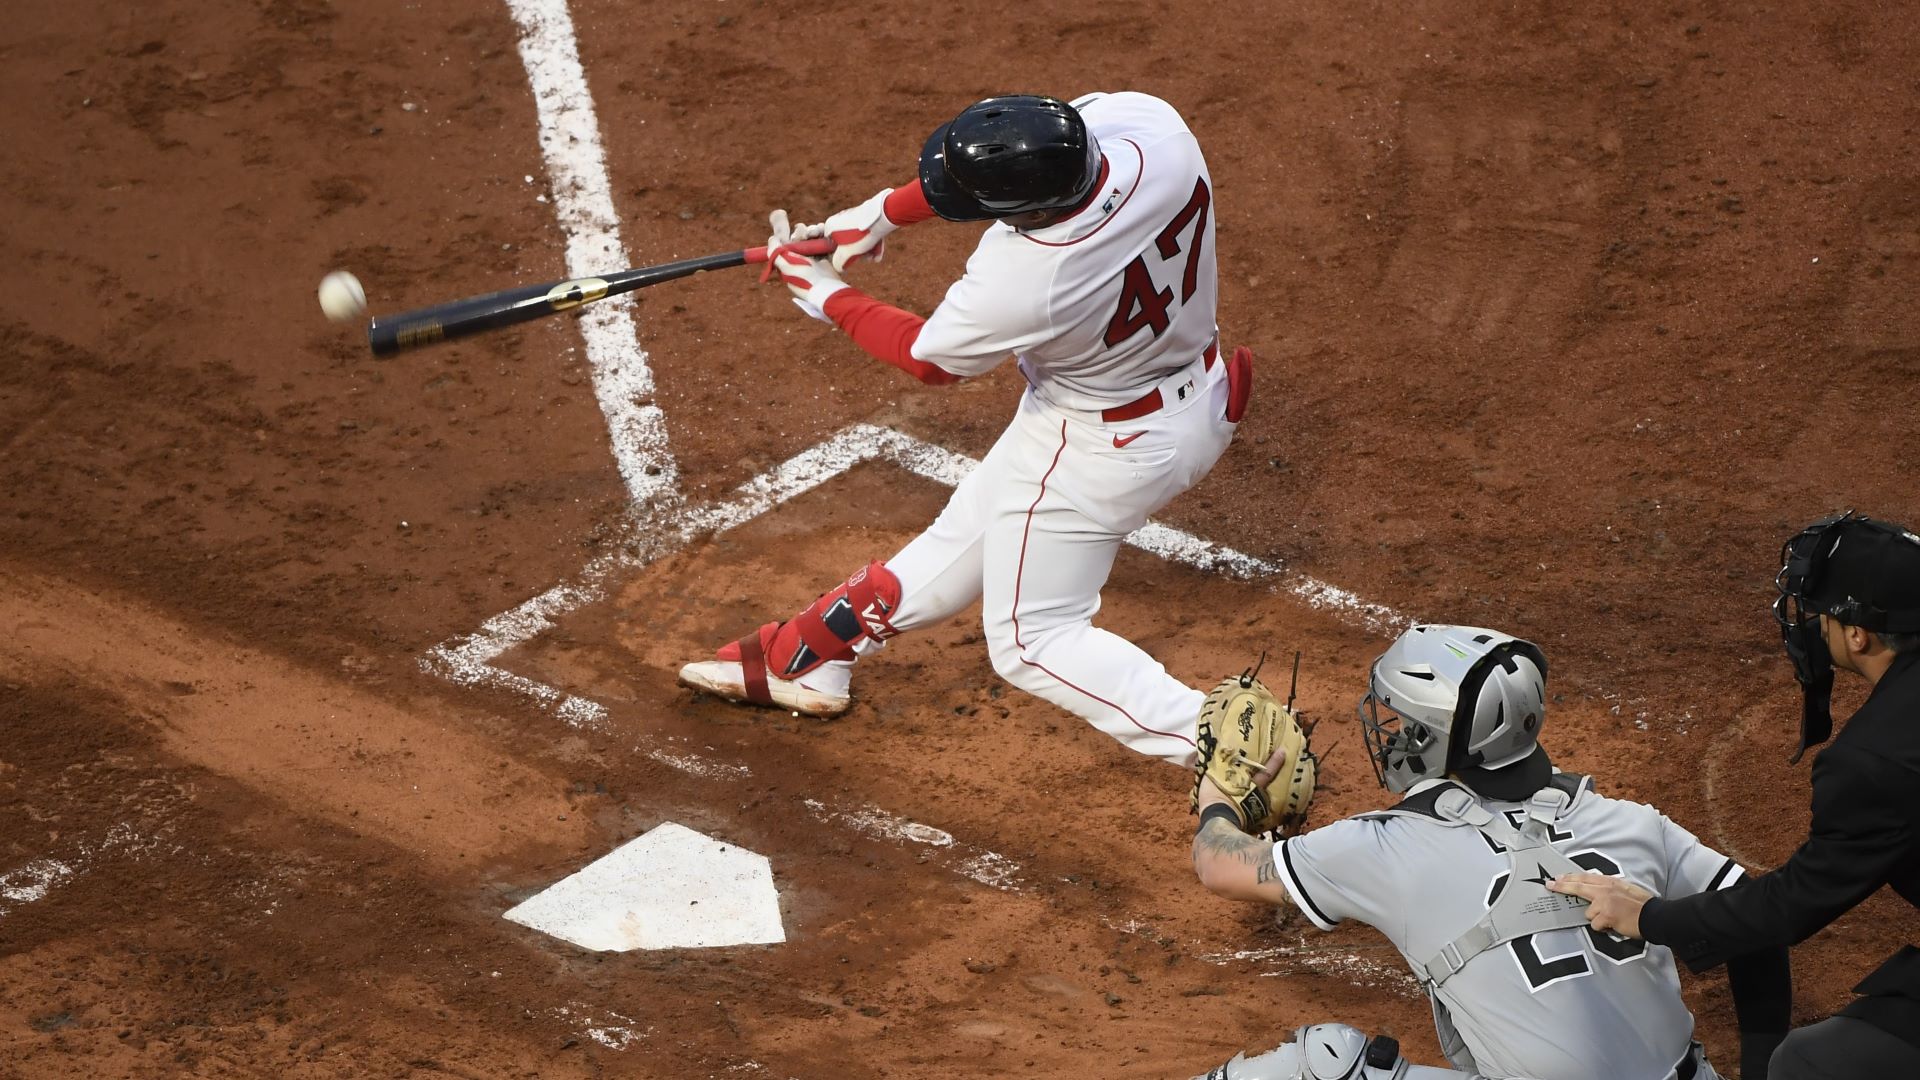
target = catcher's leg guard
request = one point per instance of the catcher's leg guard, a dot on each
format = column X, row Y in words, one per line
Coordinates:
column 1332, row 1052
column 766, row 667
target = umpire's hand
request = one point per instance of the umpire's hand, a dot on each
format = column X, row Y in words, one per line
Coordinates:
column 1612, row 903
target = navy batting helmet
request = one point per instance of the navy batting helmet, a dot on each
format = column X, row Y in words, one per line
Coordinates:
column 1009, row 155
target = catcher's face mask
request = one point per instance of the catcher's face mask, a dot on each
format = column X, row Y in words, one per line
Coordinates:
column 1404, row 751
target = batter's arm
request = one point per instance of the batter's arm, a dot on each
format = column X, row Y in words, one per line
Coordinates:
column 886, row 333
column 907, row 205
column 860, row 232
column 998, row 308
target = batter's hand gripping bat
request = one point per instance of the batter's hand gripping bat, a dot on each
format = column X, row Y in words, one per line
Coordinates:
column 391, row 334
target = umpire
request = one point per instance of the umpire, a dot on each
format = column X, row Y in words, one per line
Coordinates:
column 1849, row 598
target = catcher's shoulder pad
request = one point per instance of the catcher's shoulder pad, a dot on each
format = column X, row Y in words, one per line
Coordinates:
column 1423, row 803
column 1573, row 783
column 1420, row 804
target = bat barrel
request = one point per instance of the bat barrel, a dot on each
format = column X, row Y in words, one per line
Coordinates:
column 393, row 334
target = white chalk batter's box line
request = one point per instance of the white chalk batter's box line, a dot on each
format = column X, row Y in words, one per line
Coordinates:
column 568, row 132
column 663, row 522
column 469, row 660
column 37, row 878
column 623, row 383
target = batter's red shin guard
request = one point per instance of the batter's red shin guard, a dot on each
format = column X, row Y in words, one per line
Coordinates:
column 829, row 628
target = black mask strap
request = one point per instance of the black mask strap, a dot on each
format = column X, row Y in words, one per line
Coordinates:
column 1813, row 667
column 1802, row 559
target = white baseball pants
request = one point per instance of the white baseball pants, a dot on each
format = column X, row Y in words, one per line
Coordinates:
column 1032, row 534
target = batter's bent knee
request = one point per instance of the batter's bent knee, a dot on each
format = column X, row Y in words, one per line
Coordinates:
column 1009, row 660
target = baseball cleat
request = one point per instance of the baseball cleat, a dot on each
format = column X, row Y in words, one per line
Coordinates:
column 727, row 679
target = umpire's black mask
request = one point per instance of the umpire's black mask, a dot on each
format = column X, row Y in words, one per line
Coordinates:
column 1862, row 572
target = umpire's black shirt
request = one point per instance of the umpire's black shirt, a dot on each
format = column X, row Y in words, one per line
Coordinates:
column 1865, row 834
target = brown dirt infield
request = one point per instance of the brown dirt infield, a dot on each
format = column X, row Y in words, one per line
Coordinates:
column 1566, row 320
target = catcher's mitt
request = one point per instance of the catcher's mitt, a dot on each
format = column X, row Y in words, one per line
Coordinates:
column 1242, row 724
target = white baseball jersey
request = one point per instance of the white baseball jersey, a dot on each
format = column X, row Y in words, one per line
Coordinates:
column 1569, row 1004
column 1102, row 305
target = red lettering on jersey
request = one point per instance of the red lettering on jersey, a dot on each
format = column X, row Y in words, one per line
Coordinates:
column 1168, row 241
column 1141, row 304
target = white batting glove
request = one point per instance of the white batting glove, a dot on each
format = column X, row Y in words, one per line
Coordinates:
column 811, row 280
column 861, row 232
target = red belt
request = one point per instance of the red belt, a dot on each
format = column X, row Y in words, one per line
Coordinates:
column 1151, row 401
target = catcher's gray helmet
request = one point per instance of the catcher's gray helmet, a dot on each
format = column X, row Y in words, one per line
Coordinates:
column 1467, row 701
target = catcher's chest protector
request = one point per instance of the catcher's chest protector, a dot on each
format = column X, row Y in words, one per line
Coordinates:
column 1523, row 906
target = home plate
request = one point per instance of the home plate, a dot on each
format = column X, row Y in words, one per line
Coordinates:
column 672, row 888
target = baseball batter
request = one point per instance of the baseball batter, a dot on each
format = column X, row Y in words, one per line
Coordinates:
column 1098, row 275
column 1455, row 876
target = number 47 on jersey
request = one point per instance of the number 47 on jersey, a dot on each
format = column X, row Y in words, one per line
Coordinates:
column 1144, row 304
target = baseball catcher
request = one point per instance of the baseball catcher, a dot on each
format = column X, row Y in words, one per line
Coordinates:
column 1455, row 876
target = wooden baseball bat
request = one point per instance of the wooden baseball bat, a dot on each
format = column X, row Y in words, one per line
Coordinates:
column 391, row 334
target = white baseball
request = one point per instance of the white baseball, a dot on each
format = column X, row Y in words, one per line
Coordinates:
column 341, row 297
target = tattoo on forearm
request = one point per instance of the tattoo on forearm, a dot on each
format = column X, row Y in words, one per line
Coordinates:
column 1222, row 838
column 1218, row 839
